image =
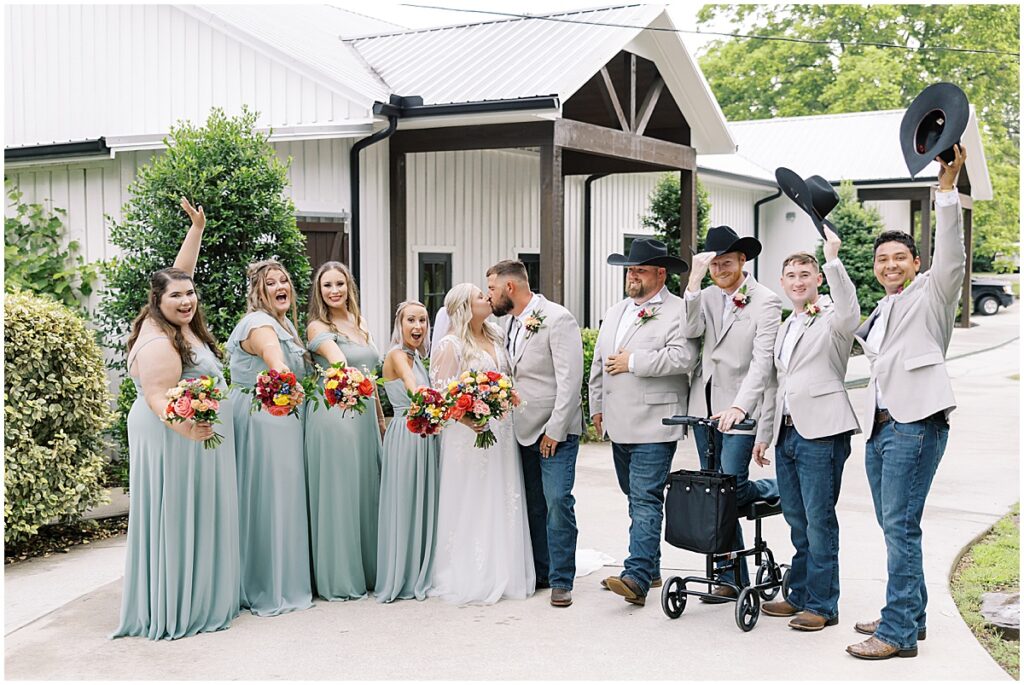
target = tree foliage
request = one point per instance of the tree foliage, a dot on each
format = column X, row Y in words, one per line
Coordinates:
column 758, row 79
column 232, row 171
column 858, row 226
column 663, row 219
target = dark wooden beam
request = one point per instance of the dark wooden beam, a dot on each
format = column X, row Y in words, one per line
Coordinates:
column 687, row 220
column 648, row 105
column 611, row 99
column 598, row 140
column 552, row 224
column 577, row 163
column 489, row 137
column 965, row 296
column 632, row 92
column 925, row 241
column 398, row 228
column 880, row 194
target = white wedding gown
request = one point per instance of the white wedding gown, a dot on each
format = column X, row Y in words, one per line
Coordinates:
column 483, row 550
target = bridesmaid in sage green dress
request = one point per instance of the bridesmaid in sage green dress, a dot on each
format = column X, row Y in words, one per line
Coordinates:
column 342, row 450
column 408, row 491
column 273, row 530
column 181, row 568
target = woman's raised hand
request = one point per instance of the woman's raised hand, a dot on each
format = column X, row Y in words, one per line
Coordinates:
column 198, row 216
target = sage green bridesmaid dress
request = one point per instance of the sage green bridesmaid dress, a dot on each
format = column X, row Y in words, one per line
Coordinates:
column 182, row 566
column 408, row 500
column 273, row 528
column 343, row 480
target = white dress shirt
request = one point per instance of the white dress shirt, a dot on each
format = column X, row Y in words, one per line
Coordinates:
column 793, row 324
column 517, row 326
column 629, row 319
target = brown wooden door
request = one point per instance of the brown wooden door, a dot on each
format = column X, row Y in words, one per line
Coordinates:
column 325, row 241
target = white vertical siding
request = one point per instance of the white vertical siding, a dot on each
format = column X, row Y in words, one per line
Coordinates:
column 137, row 69
column 375, row 250
column 895, row 213
column 731, row 205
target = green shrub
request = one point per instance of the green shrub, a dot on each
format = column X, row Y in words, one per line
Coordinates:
column 56, row 406
column 35, row 257
column 233, row 172
column 858, row 227
column 589, row 340
column 663, row 218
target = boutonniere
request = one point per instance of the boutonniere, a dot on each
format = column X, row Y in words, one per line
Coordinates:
column 645, row 315
column 811, row 310
column 534, row 322
column 903, row 287
column 741, row 298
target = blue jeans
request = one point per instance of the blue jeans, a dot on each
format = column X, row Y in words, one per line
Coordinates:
column 810, row 473
column 732, row 456
column 901, row 460
column 549, row 507
column 642, row 470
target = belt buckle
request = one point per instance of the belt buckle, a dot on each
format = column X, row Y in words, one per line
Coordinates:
column 882, row 416
column 787, row 420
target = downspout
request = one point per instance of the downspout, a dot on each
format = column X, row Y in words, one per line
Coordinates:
column 587, row 247
column 353, row 163
column 757, row 223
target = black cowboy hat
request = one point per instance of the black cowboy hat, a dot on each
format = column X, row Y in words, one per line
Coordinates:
column 722, row 239
column 651, row 252
column 814, row 195
column 932, row 125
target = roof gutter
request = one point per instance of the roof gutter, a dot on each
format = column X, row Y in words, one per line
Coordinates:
column 97, row 146
column 587, row 242
column 409, row 107
column 353, row 163
column 757, row 223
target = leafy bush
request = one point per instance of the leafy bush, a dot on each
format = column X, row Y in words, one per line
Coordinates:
column 56, row 406
column 589, row 340
column 35, row 257
column 233, row 172
column 663, row 217
column 858, row 227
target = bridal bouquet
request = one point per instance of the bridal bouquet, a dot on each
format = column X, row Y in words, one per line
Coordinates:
column 196, row 399
column 427, row 412
column 280, row 394
column 481, row 395
column 347, row 387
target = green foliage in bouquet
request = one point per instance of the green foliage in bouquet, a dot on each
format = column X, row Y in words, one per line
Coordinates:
column 56, row 407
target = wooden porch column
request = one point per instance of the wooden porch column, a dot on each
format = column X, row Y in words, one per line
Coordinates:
column 552, row 224
column 926, row 233
column 398, row 228
column 687, row 220
column 965, row 297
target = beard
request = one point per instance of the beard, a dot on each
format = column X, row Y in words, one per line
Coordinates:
column 502, row 305
column 635, row 289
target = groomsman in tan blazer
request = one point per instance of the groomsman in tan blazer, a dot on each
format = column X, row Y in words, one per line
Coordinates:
column 738, row 319
column 907, row 406
column 640, row 375
column 813, row 415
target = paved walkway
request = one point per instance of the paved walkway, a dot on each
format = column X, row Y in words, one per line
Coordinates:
column 59, row 611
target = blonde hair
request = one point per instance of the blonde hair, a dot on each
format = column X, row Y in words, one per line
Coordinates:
column 318, row 307
column 396, row 334
column 258, row 299
column 460, row 311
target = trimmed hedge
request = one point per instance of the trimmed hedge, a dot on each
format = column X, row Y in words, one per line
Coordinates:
column 56, row 407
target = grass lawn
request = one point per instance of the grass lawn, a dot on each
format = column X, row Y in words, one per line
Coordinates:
column 992, row 565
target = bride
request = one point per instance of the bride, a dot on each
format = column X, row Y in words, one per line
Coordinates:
column 483, row 548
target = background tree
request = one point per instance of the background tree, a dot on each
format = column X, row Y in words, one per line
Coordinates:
column 858, row 225
column 758, row 79
column 232, row 171
column 663, row 219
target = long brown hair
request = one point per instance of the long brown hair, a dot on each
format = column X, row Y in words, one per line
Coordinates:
column 159, row 282
column 258, row 299
column 318, row 308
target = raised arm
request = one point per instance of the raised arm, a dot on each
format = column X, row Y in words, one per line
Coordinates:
column 949, row 260
column 188, row 255
column 844, row 292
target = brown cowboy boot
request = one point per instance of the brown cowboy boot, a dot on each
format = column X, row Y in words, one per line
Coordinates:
column 807, row 621
column 874, row 649
column 869, row 628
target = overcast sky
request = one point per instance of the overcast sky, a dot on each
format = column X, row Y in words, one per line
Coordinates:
column 683, row 14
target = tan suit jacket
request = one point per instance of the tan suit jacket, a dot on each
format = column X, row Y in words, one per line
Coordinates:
column 548, row 373
column 814, row 377
column 633, row 404
column 737, row 359
column 910, row 364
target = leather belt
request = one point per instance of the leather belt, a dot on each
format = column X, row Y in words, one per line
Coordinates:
column 883, row 416
column 787, row 420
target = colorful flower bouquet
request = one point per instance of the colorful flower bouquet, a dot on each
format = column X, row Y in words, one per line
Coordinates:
column 482, row 396
column 280, row 394
column 428, row 411
column 196, row 399
column 347, row 387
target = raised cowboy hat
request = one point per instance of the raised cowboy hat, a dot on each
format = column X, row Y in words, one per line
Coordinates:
column 722, row 239
column 814, row 195
column 650, row 252
column 932, row 125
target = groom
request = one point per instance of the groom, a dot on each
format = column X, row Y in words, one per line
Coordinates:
column 546, row 351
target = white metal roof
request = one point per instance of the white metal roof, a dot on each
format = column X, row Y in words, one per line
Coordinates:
column 553, row 54
column 859, row 146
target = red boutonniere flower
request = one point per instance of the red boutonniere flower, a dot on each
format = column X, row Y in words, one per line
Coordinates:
column 811, row 310
column 645, row 315
column 741, row 298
